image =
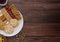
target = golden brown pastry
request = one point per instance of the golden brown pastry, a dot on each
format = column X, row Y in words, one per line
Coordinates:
column 10, row 12
column 3, row 18
column 8, row 29
column 14, row 22
column 1, row 39
column 1, row 25
column 6, row 14
column 15, row 11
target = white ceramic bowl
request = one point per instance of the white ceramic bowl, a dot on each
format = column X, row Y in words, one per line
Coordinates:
column 16, row 30
column 4, row 3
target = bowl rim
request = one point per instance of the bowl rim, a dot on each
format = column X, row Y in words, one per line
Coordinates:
column 4, row 3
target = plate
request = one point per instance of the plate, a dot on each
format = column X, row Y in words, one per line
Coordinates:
column 16, row 29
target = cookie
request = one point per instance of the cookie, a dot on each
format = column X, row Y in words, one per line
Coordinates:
column 8, row 29
column 1, row 25
column 14, row 22
column 6, row 14
column 15, row 11
column 1, row 39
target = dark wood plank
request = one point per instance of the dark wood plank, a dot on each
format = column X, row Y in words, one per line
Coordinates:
column 45, row 29
column 36, row 39
column 49, row 1
column 39, row 5
column 41, row 39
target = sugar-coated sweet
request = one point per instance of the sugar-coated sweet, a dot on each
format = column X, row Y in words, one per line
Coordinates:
column 8, row 29
column 14, row 22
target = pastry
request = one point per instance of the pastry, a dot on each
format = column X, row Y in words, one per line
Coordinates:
column 1, row 25
column 14, row 22
column 8, row 29
column 6, row 14
column 15, row 11
column 3, row 18
column 10, row 12
column 1, row 39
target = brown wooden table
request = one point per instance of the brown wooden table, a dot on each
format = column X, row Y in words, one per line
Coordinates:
column 41, row 21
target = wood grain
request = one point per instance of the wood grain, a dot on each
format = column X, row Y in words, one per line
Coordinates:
column 37, row 39
column 43, row 29
column 41, row 39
